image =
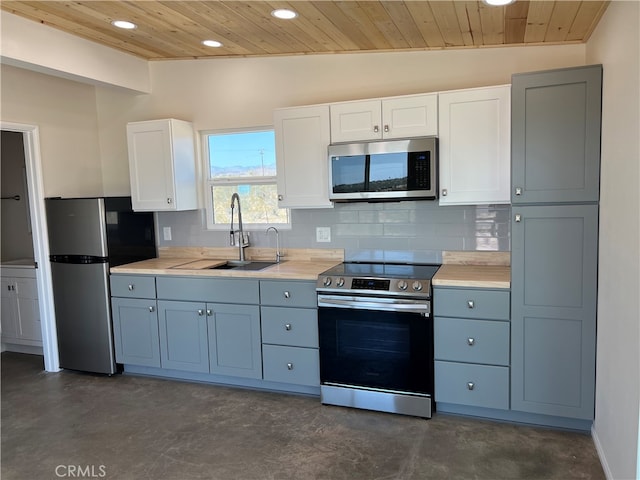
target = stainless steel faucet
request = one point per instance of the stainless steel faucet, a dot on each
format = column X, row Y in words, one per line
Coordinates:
column 242, row 241
column 278, row 254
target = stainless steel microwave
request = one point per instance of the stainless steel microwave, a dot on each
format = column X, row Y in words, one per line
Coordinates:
column 384, row 170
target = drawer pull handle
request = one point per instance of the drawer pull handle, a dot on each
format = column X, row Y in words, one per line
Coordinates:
column 470, row 385
column 471, row 341
column 287, row 294
column 471, row 304
column 131, row 287
column 152, row 309
column 287, row 327
column 289, row 366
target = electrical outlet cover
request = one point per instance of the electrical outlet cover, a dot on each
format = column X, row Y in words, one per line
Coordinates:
column 323, row 234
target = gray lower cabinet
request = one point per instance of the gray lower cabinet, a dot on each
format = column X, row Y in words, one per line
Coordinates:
column 234, row 340
column 471, row 347
column 554, row 293
column 183, row 336
column 244, row 328
column 290, row 332
column 135, row 320
column 135, row 330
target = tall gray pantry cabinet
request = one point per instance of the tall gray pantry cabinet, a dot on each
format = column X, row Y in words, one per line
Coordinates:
column 556, row 117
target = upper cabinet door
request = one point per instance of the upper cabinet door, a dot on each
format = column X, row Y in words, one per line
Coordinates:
column 302, row 137
column 410, row 116
column 555, row 128
column 162, row 165
column 356, row 121
column 388, row 118
column 474, row 146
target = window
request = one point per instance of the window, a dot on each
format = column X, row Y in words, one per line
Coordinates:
column 242, row 162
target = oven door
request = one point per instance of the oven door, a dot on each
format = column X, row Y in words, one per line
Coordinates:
column 380, row 344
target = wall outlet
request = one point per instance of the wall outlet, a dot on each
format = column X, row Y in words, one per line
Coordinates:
column 323, row 234
column 166, row 233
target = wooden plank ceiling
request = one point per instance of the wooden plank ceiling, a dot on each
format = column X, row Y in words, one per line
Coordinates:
column 175, row 29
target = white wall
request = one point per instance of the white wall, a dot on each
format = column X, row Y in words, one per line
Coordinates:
column 66, row 113
column 616, row 44
column 41, row 48
column 232, row 93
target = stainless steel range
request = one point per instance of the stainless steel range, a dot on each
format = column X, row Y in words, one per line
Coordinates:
column 376, row 337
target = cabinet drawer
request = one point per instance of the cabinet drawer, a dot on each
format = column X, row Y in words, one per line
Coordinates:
column 291, row 365
column 473, row 341
column 133, row 286
column 471, row 303
column 295, row 327
column 475, row 385
column 288, row 294
column 218, row 290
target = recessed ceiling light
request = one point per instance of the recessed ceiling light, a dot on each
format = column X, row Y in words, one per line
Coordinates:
column 498, row 3
column 284, row 14
column 124, row 24
column 212, row 43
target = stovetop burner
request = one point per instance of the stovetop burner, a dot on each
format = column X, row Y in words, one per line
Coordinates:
column 378, row 278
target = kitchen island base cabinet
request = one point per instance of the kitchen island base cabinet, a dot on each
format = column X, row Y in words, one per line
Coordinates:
column 135, row 330
column 234, row 340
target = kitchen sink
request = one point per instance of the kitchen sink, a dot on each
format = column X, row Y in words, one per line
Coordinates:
column 246, row 265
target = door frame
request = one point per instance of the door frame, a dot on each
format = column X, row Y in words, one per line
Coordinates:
column 35, row 191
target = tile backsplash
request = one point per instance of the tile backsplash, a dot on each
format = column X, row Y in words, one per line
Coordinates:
column 409, row 231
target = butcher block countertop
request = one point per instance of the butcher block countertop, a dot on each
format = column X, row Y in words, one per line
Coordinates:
column 298, row 264
column 474, row 269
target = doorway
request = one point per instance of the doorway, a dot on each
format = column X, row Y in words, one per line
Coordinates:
column 38, row 225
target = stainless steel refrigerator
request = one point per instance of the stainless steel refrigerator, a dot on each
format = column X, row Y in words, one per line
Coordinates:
column 87, row 236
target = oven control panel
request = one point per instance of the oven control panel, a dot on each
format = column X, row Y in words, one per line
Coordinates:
column 375, row 285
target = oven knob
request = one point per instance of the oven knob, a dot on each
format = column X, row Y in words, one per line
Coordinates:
column 340, row 282
column 417, row 286
column 327, row 281
column 402, row 285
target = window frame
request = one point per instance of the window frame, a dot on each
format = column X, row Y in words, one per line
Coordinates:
column 209, row 182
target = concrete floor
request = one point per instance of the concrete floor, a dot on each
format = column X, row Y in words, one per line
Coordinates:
column 128, row 427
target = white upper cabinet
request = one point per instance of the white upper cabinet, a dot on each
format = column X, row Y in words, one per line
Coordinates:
column 162, row 165
column 395, row 117
column 302, row 137
column 474, row 146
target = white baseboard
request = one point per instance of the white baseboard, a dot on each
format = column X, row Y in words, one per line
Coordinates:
column 603, row 459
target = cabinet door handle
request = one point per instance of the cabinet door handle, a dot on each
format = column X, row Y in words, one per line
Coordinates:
column 280, row 197
column 200, row 312
column 517, row 218
column 471, row 304
column 9, row 287
column 209, row 312
column 152, row 309
column 287, row 294
column 445, row 192
column 131, row 287
column 376, row 128
column 169, row 200
column 287, row 327
column 518, row 191
column 471, row 341
column 386, row 128
column 289, row 366
column 470, row 385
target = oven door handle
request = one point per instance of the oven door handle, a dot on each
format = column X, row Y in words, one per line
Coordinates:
column 391, row 305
